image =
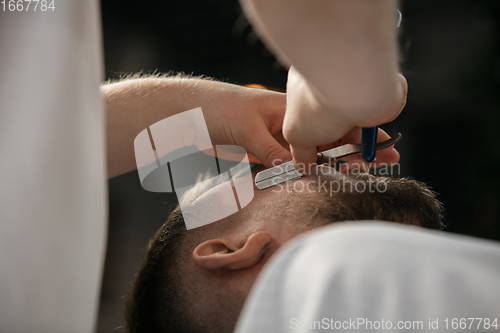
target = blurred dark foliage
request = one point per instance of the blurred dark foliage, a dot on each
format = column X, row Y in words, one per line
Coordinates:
column 450, row 57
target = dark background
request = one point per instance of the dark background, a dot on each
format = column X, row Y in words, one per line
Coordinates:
column 450, row 57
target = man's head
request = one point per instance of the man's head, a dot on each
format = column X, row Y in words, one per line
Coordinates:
column 197, row 280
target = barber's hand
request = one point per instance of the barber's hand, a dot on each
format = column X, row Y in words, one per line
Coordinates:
column 248, row 117
column 311, row 125
column 234, row 115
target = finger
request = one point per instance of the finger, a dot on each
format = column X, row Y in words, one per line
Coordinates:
column 281, row 140
column 266, row 149
column 353, row 136
column 253, row 159
column 272, row 111
column 404, row 84
column 404, row 87
column 304, row 158
column 329, row 146
column 386, row 156
column 390, row 159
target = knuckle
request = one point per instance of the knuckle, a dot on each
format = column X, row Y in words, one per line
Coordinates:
column 269, row 153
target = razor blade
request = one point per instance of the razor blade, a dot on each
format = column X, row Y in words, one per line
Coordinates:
column 286, row 172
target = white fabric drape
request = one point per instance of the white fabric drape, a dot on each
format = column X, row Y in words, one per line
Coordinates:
column 52, row 168
column 350, row 272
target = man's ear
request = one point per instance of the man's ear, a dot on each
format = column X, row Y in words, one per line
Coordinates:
column 218, row 253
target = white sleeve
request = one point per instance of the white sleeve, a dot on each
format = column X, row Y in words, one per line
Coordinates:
column 358, row 275
column 52, row 170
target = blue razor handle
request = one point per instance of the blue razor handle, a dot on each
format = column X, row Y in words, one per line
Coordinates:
column 368, row 141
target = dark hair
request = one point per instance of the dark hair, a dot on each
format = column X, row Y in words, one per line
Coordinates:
column 150, row 291
column 155, row 304
column 401, row 200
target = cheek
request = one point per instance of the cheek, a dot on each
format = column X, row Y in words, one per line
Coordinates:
column 289, row 233
column 241, row 281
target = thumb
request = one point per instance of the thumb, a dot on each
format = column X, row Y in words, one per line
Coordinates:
column 267, row 150
column 304, row 157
